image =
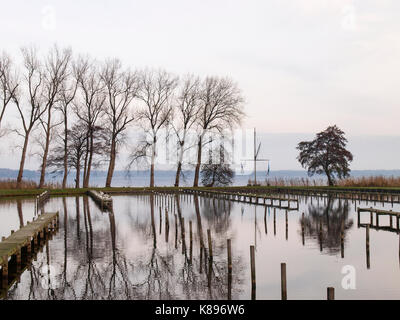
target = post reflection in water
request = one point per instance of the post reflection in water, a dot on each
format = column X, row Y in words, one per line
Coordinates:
column 116, row 255
column 327, row 224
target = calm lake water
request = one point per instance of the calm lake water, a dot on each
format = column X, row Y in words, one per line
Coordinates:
column 131, row 253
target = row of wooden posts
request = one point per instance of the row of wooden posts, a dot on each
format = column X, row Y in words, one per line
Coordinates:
column 330, row 290
column 372, row 196
column 246, row 198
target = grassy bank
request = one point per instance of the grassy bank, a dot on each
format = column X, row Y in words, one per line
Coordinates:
column 132, row 190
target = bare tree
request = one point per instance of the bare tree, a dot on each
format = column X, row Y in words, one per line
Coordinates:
column 121, row 87
column 54, row 75
column 76, row 150
column 220, row 108
column 156, row 90
column 8, row 84
column 34, row 109
column 66, row 96
column 90, row 107
column 188, row 107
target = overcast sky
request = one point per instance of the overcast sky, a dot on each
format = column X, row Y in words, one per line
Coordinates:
column 302, row 64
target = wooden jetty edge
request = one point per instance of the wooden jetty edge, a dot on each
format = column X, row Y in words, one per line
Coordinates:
column 256, row 199
column 41, row 199
column 102, row 199
column 16, row 250
column 378, row 213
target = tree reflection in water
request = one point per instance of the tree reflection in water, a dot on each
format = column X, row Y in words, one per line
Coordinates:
column 97, row 256
column 324, row 222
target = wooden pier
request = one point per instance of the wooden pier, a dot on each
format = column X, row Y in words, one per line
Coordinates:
column 102, row 199
column 17, row 249
column 250, row 198
column 374, row 222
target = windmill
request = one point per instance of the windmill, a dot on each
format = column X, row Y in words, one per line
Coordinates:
column 256, row 159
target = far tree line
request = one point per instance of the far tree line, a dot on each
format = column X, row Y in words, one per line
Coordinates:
column 80, row 109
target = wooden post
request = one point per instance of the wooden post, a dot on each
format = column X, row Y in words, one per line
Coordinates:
column 283, row 281
column 287, row 225
column 201, row 259
column 191, row 242
column 18, row 260
column 210, row 252
column 342, row 240
column 253, row 273
column 183, row 236
column 331, row 293
column 320, row 236
column 274, row 221
column 377, row 219
column 4, row 279
column 229, row 269
column 166, row 225
column 176, row 232
column 367, row 246
column 302, row 229
column 265, row 220
column 160, row 220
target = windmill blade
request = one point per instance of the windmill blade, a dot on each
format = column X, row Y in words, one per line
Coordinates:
column 258, row 149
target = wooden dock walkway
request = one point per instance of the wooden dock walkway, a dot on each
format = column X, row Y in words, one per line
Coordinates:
column 16, row 250
column 104, row 200
column 250, row 198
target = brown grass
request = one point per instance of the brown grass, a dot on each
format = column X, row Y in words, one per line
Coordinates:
column 292, row 182
column 373, row 181
column 27, row 184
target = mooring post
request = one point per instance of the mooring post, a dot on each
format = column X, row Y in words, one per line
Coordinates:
column 253, row 273
column 191, row 242
column 229, row 269
column 302, row 229
column 176, row 232
column 320, row 236
column 265, row 220
column 166, row 225
column 160, row 220
column 210, row 251
column 201, row 258
column 287, row 224
column 331, row 293
column 18, row 260
column 283, row 281
column 367, row 246
column 342, row 240
column 183, row 236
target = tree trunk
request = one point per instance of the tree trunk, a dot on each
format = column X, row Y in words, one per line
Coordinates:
column 330, row 181
column 179, row 169
column 45, row 154
column 153, row 156
column 78, row 176
column 89, row 165
column 22, row 162
column 64, row 182
column 111, row 165
column 178, row 174
column 197, row 171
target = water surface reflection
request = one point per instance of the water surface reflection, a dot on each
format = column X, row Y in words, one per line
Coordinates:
column 157, row 247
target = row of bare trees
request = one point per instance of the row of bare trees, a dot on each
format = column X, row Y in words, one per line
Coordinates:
column 80, row 110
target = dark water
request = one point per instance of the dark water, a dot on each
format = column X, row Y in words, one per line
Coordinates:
column 131, row 253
